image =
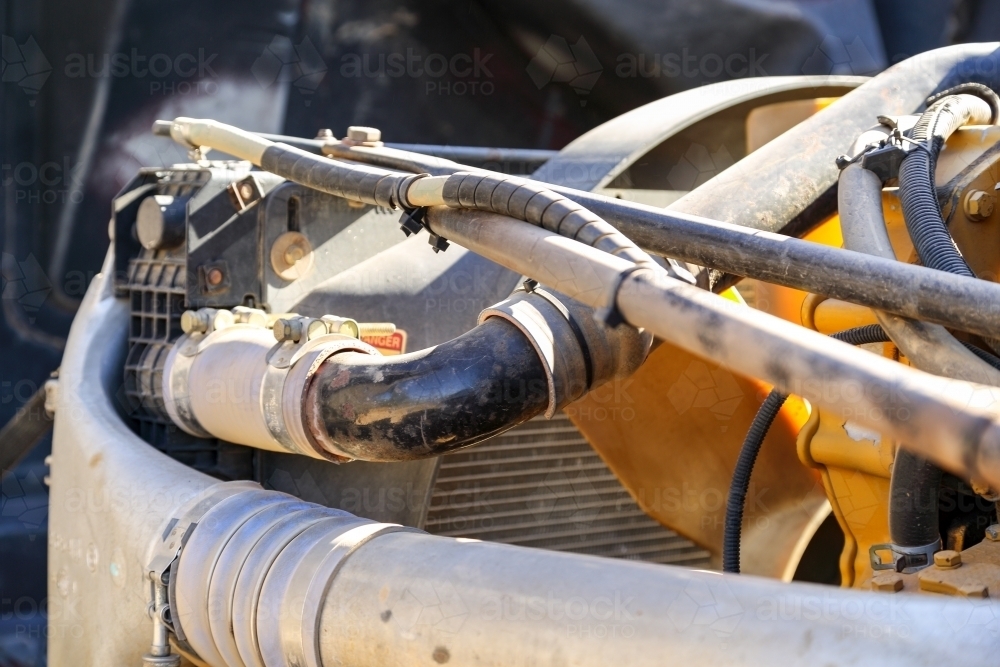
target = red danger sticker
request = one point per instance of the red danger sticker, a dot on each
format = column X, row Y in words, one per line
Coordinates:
column 390, row 344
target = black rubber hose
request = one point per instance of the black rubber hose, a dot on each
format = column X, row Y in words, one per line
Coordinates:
column 990, row 359
column 369, row 185
column 981, row 91
column 528, row 201
column 740, row 485
column 959, row 303
column 24, row 431
column 535, row 203
column 917, row 193
column 790, row 185
column 913, row 500
column 429, row 402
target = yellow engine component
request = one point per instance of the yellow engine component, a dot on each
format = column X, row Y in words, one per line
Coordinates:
column 673, row 431
column 856, row 464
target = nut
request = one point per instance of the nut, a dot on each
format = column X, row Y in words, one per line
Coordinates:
column 291, row 256
column 294, row 253
column 947, row 559
column 993, row 533
column 978, row 205
column 889, row 582
column 974, row 590
column 361, row 134
column 246, row 191
column 325, row 133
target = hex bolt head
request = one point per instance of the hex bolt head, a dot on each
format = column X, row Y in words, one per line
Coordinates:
column 193, row 321
column 362, row 134
column 978, row 205
column 947, row 559
column 888, row 582
column 288, row 330
column 993, row 533
column 325, row 133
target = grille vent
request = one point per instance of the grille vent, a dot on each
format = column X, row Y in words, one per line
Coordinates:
column 542, row 485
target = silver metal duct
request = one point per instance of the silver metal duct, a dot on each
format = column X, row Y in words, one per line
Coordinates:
column 375, row 595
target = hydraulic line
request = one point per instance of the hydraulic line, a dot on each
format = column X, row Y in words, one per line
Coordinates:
column 915, row 481
column 966, row 104
column 869, row 281
column 948, row 421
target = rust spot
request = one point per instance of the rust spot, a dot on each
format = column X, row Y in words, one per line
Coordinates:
column 441, row 655
column 95, row 460
column 340, row 380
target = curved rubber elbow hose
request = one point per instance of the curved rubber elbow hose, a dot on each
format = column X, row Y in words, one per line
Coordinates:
column 534, row 352
column 429, row 402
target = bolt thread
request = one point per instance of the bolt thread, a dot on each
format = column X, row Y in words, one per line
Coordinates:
column 376, row 328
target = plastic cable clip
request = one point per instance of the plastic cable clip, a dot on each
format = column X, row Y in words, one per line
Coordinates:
column 413, row 220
